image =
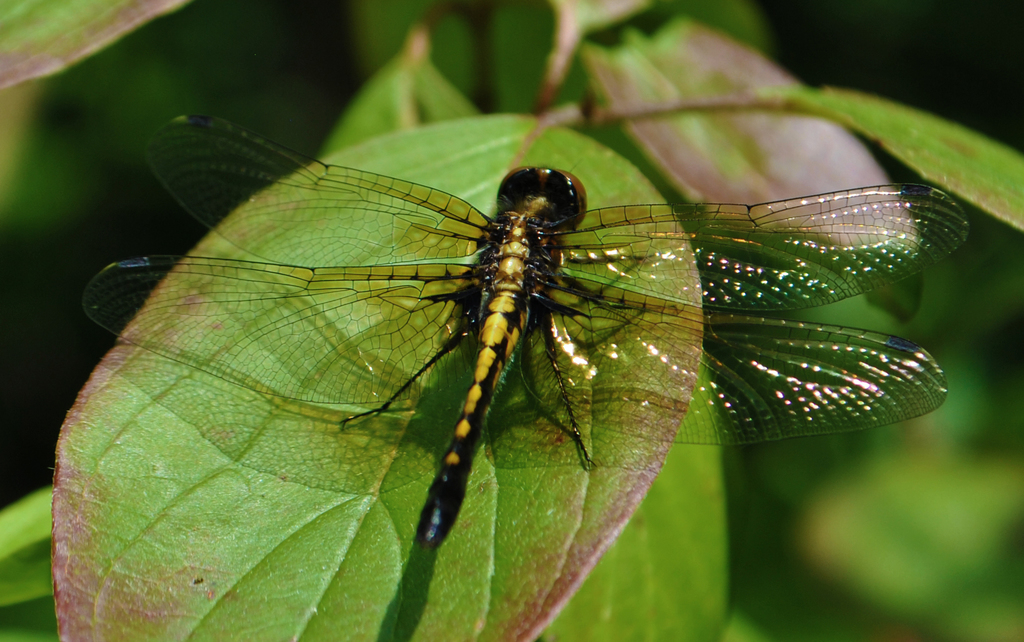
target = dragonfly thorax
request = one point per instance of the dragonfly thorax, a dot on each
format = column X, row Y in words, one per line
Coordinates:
column 533, row 203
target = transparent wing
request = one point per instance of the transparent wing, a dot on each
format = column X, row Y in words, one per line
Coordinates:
column 771, row 379
column 791, row 254
column 617, row 343
column 619, row 363
column 288, row 208
column 329, row 335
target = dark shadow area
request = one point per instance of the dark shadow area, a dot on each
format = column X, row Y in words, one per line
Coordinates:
column 410, row 601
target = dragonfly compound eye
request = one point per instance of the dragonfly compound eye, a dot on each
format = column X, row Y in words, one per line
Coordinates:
column 561, row 189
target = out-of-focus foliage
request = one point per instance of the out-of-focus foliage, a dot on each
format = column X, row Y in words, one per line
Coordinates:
column 25, row 548
column 42, row 37
column 32, row 621
column 911, row 531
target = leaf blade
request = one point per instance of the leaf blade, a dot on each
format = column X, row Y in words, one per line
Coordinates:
column 209, row 458
column 980, row 169
column 723, row 157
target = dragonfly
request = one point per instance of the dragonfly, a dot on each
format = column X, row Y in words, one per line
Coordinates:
column 627, row 302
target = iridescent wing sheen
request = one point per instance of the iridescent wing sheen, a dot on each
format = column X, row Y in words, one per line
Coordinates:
column 761, row 379
column 288, row 208
column 771, row 379
column 800, row 252
column 329, row 335
column 624, row 328
column 618, row 337
column 621, row 363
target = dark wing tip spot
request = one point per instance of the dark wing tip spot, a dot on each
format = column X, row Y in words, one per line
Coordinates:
column 199, row 121
column 916, row 190
column 902, row 344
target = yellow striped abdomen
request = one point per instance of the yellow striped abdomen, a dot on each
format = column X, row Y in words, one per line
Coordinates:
column 502, row 318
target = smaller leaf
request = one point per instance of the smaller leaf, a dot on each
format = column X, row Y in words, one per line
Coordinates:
column 591, row 15
column 25, row 548
column 407, row 92
column 379, row 29
column 45, row 36
column 574, row 19
column 985, row 172
column 723, row 157
column 743, row 20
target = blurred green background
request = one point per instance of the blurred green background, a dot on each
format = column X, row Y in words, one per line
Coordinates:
column 910, row 532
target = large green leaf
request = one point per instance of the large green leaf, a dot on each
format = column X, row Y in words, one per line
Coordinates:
column 189, row 506
column 41, row 37
column 25, row 548
column 650, row 585
column 985, row 172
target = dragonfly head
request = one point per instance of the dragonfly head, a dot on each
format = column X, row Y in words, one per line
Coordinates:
column 550, row 194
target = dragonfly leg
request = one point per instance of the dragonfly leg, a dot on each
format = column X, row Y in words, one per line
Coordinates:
column 449, row 346
column 574, row 429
